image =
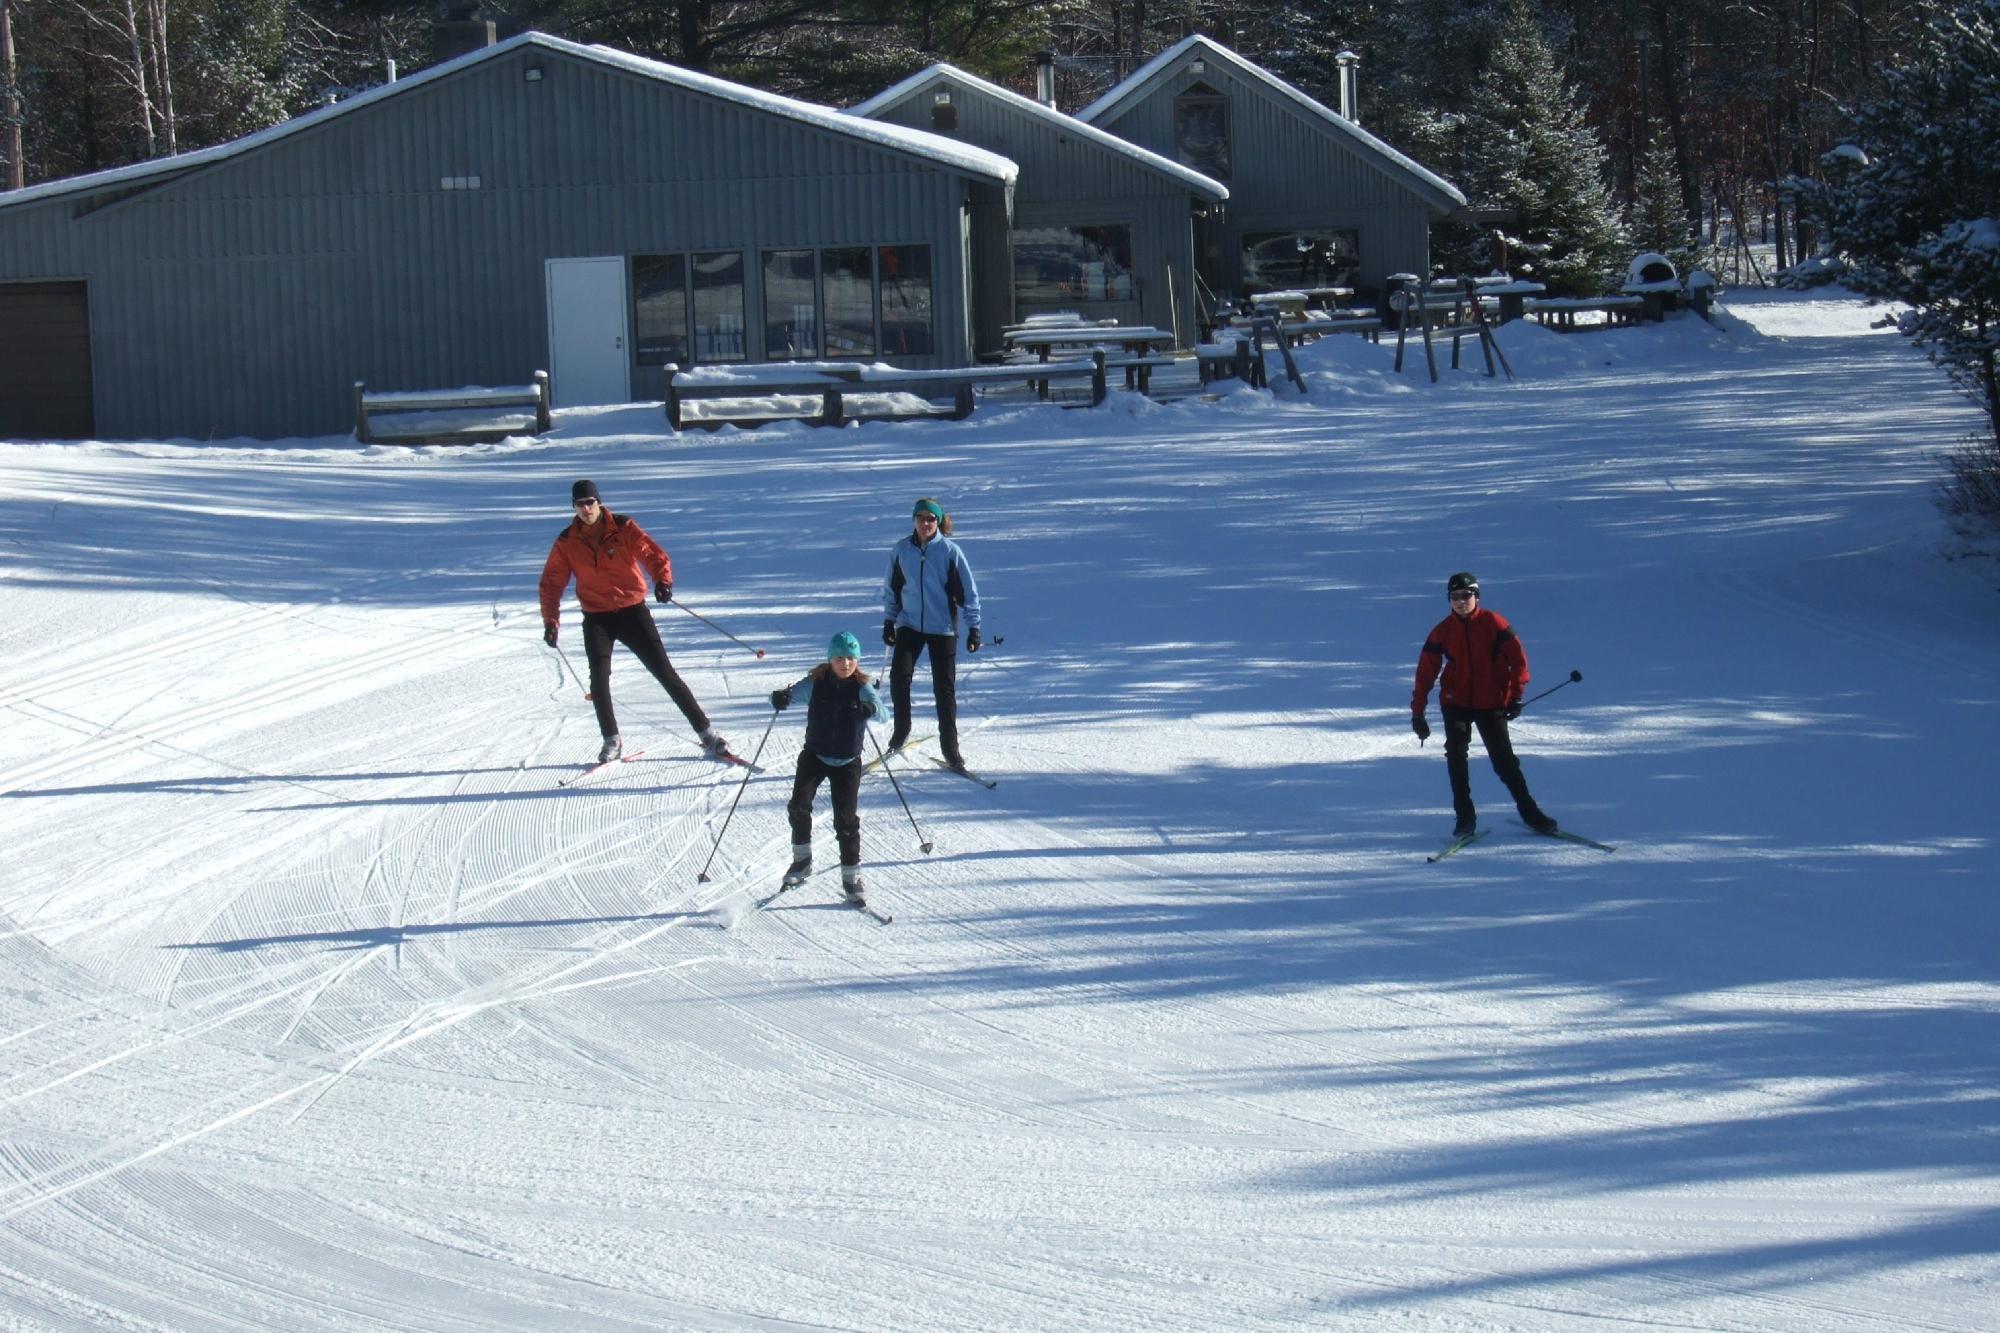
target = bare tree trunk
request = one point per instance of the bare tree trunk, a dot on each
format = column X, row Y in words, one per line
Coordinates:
column 1991, row 378
column 163, row 75
column 10, row 103
column 135, row 46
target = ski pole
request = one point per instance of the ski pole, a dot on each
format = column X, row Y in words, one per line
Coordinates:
column 702, row 878
column 572, row 672
column 922, row 841
column 756, row 652
column 1574, row 677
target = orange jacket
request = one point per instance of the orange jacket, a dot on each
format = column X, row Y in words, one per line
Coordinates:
column 605, row 559
column 1483, row 662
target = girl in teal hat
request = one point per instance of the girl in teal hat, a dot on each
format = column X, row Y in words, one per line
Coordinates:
column 839, row 702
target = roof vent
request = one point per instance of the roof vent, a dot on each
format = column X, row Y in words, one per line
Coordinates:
column 1350, row 95
column 1045, row 78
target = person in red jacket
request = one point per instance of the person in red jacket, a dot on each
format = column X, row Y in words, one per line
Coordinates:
column 1485, row 672
column 609, row 556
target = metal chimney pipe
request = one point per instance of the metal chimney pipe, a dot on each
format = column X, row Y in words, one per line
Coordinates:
column 389, row 66
column 1350, row 97
column 1045, row 78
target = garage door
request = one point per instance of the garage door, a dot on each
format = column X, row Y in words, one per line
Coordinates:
column 44, row 361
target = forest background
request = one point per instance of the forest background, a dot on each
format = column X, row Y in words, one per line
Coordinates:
column 1712, row 102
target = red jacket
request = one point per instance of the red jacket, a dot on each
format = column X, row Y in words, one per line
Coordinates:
column 605, row 559
column 1483, row 662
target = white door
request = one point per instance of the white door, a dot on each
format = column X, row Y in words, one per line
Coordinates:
column 588, row 363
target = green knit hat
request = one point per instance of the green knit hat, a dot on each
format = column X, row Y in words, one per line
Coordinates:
column 843, row 644
column 931, row 507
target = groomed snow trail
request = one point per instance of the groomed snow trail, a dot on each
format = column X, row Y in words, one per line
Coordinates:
column 323, row 1006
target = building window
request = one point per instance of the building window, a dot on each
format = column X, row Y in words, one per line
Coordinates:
column 1325, row 257
column 718, row 306
column 906, row 299
column 1201, row 131
column 791, row 313
column 847, row 295
column 1068, row 265
column 660, row 316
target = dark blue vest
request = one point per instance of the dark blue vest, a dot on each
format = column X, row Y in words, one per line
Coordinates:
column 836, row 719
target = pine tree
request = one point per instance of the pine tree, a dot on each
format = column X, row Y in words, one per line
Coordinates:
column 1526, row 146
column 1659, row 217
column 1913, row 201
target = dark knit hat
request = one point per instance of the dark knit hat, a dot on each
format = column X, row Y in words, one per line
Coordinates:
column 583, row 490
column 1466, row 579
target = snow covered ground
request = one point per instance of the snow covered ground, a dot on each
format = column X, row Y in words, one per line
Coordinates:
column 322, row 1006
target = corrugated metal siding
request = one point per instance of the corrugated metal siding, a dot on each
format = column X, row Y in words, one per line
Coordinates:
column 245, row 298
column 1289, row 170
column 1067, row 179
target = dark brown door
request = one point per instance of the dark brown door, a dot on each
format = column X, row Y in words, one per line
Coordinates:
column 45, row 361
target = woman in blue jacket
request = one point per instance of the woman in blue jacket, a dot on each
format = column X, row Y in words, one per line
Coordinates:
column 929, row 583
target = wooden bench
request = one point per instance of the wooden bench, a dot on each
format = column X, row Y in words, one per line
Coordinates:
column 833, row 394
column 470, row 415
column 1230, row 357
column 1245, row 359
column 1560, row 312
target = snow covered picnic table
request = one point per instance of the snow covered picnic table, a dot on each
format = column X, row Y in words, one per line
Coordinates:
column 1134, row 345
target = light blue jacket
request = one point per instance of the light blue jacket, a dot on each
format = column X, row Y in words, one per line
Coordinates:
column 928, row 585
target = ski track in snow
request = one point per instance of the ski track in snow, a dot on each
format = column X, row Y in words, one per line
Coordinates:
column 323, row 1006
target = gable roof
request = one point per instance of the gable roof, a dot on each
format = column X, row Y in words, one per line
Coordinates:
column 1028, row 106
column 916, row 143
column 1439, row 191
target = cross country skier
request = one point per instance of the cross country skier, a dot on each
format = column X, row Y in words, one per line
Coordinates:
column 839, row 702
column 609, row 556
column 1485, row 675
column 929, row 582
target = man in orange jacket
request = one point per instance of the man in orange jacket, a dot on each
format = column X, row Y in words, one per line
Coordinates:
column 1485, row 676
column 609, row 556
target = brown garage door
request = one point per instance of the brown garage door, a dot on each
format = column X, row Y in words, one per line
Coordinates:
column 44, row 361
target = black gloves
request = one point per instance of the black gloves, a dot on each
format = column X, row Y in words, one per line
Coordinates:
column 972, row 640
column 889, row 632
column 1421, row 727
column 549, row 635
column 781, row 699
column 1514, row 710
column 664, row 591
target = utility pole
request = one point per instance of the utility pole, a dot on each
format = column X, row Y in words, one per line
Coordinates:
column 10, row 99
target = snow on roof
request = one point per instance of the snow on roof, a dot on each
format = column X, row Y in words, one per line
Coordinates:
column 948, row 152
column 881, row 101
column 1132, row 87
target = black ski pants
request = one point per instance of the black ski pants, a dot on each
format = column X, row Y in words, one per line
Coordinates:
column 843, row 784
column 1492, row 725
column 943, row 650
column 632, row 626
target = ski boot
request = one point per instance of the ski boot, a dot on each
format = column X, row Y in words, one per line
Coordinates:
column 613, row 748
column 850, row 886
column 801, row 868
column 713, row 746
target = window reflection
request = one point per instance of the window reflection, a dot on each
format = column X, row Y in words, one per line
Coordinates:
column 1067, row 265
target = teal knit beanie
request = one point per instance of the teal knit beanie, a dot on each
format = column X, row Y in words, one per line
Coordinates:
column 930, row 507
column 843, row 644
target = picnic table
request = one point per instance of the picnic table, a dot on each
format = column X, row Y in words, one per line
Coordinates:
column 1135, row 343
column 1512, row 295
column 1327, row 298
